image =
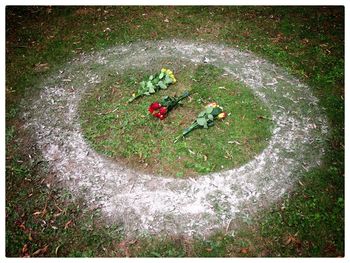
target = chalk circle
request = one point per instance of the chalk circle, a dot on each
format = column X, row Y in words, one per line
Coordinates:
column 149, row 204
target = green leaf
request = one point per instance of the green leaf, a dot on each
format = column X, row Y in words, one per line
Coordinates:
column 162, row 85
column 202, row 121
column 216, row 111
column 155, row 80
column 150, row 84
column 210, row 117
column 165, row 100
column 151, row 77
column 151, row 90
column 168, row 80
column 161, row 75
column 209, row 110
column 142, row 84
column 201, row 114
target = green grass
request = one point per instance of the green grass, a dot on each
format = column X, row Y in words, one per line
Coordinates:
column 306, row 41
column 128, row 133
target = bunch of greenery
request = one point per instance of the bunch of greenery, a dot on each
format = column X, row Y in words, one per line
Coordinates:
column 205, row 119
column 154, row 84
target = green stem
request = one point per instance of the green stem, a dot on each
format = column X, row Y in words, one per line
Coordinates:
column 183, row 96
column 134, row 98
column 193, row 126
column 174, row 103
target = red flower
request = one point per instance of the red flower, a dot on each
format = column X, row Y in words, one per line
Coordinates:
column 154, row 106
column 156, row 114
column 163, row 110
column 157, row 110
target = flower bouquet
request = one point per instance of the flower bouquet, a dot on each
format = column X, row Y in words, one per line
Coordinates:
column 205, row 119
column 154, row 84
column 160, row 110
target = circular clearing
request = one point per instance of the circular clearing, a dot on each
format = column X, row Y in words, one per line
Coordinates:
column 131, row 136
column 151, row 204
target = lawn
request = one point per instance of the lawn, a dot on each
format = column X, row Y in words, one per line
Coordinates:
column 308, row 42
column 137, row 139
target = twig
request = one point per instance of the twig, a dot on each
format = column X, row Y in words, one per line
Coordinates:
column 132, row 187
column 228, row 225
column 108, row 112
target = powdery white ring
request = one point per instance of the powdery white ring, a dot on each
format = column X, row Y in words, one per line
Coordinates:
column 195, row 206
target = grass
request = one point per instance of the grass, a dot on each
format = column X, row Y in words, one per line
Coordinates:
column 132, row 136
column 306, row 41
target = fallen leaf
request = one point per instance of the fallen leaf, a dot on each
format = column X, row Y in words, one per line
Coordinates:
column 37, row 213
column 244, row 250
column 56, row 250
column 124, row 247
column 68, row 224
column 293, row 240
column 289, row 239
column 304, row 41
column 40, row 67
column 41, row 251
column 22, row 226
column 24, row 249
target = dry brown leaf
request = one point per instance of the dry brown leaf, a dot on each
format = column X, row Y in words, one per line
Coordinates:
column 40, row 67
column 244, row 250
column 37, row 213
column 68, row 224
column 41, row 251
column 289, row 239
column 22, row 226
column 24, row 249
column 124, row 246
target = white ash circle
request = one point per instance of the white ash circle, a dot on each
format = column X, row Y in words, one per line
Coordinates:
column 149, row 204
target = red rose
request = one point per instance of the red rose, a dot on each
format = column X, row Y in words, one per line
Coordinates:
column 162, row 117
column 156, row 114
column 150, row 109
column 155, row 105
column 163, row 110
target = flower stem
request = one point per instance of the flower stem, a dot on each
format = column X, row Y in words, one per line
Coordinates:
column 193, row 126
column 183, row 96
column 134, row 98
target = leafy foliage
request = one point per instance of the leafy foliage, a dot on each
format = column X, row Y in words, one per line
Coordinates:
column 205, row 119
column 154, row 84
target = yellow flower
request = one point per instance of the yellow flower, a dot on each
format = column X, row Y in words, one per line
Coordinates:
column 169, row 72
column 134, row 95
column 163, row 70
column 222, row 115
